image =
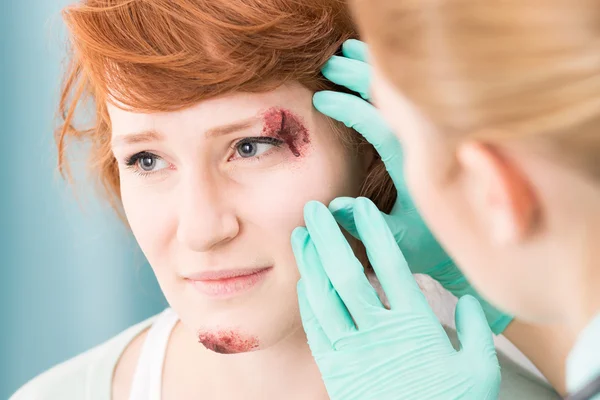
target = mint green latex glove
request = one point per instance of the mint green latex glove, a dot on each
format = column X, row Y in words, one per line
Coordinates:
column 421, row 249
column 367, row 352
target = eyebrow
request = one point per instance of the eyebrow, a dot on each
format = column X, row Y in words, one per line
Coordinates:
column 139, row 137
column 153, row 135
column 230, row 128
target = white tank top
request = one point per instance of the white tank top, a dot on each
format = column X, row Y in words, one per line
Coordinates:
column 147, row 379
column 517, row 381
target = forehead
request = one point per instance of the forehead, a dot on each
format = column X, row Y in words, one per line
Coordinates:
column 213, row 112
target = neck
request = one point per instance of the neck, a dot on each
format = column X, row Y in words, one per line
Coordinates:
column 582, row 300
column 579, row 230
column 576, row 301
column 272, row 373
column 586, row 300
column 546, row 346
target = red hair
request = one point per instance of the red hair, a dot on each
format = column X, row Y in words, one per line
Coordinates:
column 165, row 55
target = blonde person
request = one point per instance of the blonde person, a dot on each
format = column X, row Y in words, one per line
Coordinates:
column 206, row 140
column 497, row 108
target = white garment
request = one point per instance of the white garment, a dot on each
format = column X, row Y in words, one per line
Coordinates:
column 583, row 363
column 89, row 375
column 147, row 381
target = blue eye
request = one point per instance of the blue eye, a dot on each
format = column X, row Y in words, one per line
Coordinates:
column 145, row 162
column 247, row 149
column 252, row 147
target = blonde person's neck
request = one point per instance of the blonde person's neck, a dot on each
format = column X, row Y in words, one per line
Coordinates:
column 582, row 273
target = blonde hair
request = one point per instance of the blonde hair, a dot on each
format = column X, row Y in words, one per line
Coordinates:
column 496, row 70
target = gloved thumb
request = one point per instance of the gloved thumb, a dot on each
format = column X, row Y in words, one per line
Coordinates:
column 477, row 348
column 342, row 209
column 472, row 328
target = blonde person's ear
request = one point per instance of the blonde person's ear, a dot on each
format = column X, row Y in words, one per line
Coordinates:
column 500, row 195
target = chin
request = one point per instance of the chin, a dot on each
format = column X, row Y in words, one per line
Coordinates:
column 228, row 341
column 231, row 337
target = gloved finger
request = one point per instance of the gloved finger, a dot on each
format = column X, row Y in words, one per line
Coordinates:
column 361, row 116
column 353, row 74
column 497, row 320
column 317, row 339
column 477, row 344
column 343, row 269
column 328, row 308
column 342, row 209
column 355, row 49
column 472, row 328
column 388, row 261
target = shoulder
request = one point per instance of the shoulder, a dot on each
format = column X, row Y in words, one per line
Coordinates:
column 126, row 366
column 520, row 383
column 86, row 374
column 517, row 381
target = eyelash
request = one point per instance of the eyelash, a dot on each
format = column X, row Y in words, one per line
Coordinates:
column 132, row 161
column 257, row 140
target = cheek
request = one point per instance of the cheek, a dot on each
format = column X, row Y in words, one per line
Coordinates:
column 275, row 200
column 425, row 172
column 444, row 208
column 268, row 202
column 418, row 179
column 148, row 215
column 426, row 195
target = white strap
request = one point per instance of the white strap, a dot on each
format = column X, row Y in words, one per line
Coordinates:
column 147, row 381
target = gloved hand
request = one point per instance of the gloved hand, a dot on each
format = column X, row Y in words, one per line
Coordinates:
column 421, row 249
column 367, row 352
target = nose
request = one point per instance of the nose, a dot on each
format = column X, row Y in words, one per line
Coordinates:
column 205, row 221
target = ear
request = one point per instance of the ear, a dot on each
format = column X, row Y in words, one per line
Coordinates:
column 498, row 192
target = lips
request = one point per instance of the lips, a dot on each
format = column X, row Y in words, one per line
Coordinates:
column 224, row 274
column 227, row 283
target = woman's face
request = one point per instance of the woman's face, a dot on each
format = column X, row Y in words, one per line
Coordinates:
column 212, row 194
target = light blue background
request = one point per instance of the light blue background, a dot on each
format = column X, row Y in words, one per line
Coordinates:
column 71, row 276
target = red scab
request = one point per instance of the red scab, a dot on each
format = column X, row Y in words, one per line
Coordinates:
column 227, row 342
column 285, row 125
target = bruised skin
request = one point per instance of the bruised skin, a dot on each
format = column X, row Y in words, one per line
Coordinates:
column 227, row 342
column 287, row 126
